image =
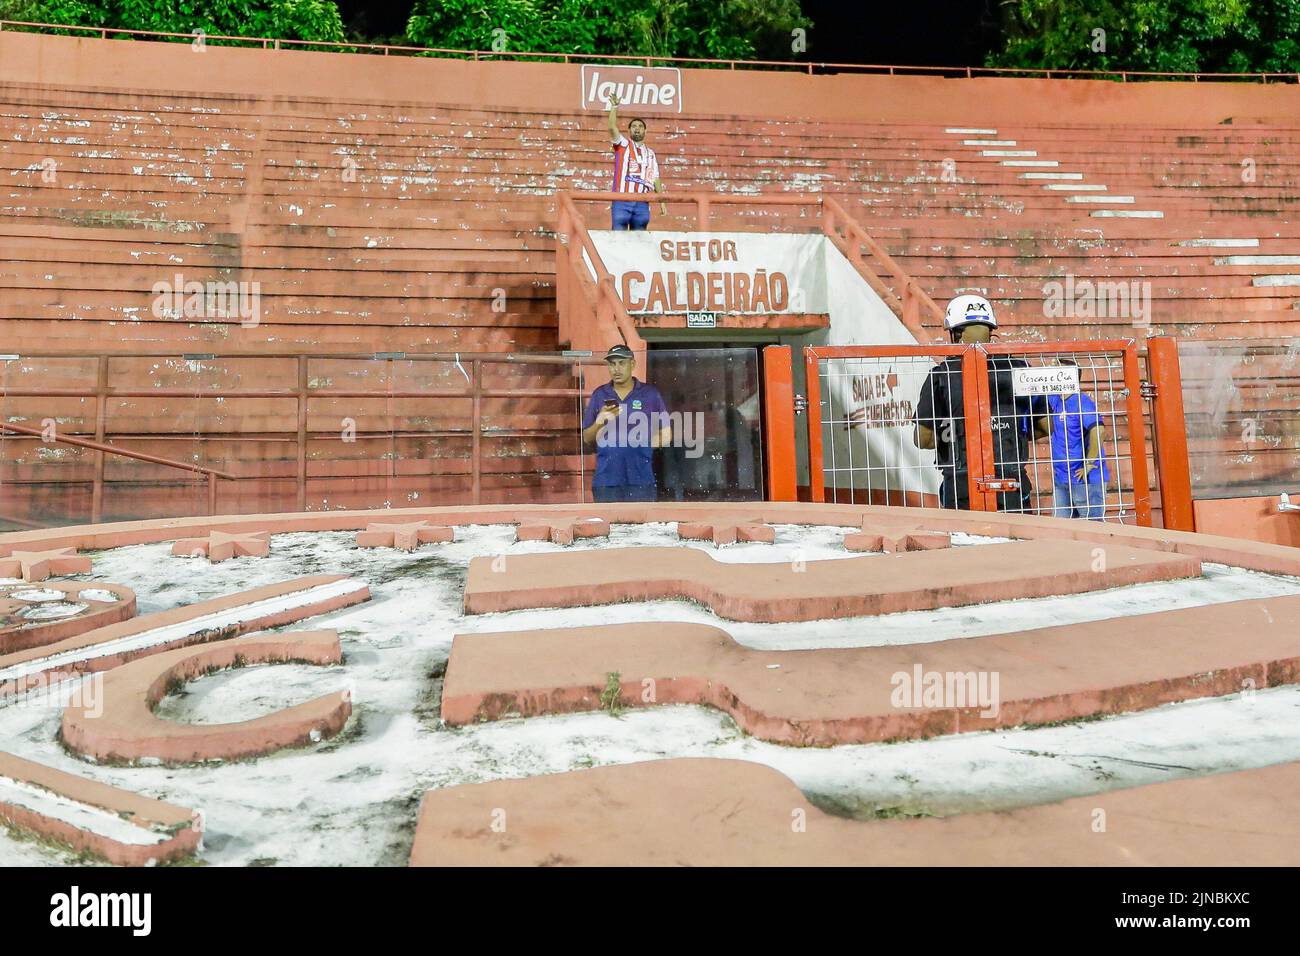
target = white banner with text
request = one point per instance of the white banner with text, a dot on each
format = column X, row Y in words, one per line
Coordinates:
column 723, row 273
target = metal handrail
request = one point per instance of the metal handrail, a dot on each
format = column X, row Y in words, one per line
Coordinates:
column 211, row 473
column 808, row 66
column 115, row 450
column 914, row 298
column 605, row 291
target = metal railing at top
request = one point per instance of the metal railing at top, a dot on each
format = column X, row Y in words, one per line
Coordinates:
column 809, row 67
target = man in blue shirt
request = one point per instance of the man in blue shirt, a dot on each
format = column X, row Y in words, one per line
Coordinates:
column 625, row 421
column 1079, row 472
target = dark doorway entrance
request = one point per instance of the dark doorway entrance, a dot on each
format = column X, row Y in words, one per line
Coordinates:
column 714, row 396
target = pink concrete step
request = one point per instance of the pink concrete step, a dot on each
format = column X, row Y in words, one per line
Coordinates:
column 669, row 813
column 823, row 698
column 820, row 589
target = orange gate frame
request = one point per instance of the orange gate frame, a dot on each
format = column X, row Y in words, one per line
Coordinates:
column 979, row 442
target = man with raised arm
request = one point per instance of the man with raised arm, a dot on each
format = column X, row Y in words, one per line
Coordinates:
column 636, row 170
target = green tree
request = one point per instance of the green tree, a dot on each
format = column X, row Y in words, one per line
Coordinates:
column 730, row 29
column 281, row 19
column 1205, row 36
column 74, row 12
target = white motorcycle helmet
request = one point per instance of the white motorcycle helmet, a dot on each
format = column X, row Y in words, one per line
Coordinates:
column 968, row 309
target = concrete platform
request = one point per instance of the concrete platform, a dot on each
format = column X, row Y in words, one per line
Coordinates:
column 822, row 697
column 228, row 616
column 708, row 812
column 123, row 727
column 827, row 697
column 814, row 590
column 124, row 828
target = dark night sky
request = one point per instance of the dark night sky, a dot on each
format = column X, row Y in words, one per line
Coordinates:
column 904, row 32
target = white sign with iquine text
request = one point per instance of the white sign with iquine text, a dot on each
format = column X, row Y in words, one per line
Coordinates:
column 639, row 89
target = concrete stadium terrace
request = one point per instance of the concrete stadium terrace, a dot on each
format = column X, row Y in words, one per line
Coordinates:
column 424, row 666
column 812, row 68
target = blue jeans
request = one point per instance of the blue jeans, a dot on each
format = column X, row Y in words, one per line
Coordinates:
column 1080, row 500
column 630, row 215
column 625, row 493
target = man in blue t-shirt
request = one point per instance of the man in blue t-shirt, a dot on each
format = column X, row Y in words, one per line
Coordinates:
column 625, row 421
column 1079, row 472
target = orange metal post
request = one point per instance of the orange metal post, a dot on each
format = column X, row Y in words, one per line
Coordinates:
column 101, row 418
column 476, row 438
column 1171, row 435
column 816, row 479
column 979, row 441
column 1137, row 441
column 303, row 381
column 778, row 418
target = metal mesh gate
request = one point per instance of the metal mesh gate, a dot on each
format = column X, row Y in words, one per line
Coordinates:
column 1035, row 429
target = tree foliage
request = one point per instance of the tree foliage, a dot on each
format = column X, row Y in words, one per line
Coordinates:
column 1208, row 36
column 727, row 29
column 1195, row 36
column 281, row 19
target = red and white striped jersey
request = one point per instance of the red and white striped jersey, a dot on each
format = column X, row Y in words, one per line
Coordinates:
column 636, row 167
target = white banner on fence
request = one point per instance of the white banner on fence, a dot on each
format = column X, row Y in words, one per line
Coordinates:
column 726, row 273
column 871, row 402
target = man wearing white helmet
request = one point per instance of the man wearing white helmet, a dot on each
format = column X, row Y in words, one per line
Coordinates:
column 941, row 416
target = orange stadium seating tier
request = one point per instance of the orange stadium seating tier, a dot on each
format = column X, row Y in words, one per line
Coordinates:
column 389, row 204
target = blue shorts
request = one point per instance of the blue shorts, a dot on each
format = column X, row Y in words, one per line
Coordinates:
column 630, row 215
